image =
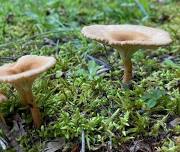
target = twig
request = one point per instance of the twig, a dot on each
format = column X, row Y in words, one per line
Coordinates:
column 102, row 70
column 83, row 141
column 38, row 35
column 8, row 58
column 100, row 62
column 110, row 144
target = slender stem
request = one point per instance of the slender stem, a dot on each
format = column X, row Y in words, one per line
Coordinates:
column 127, row 77
column 126, row 55
column 26, row 94
column 36, row 115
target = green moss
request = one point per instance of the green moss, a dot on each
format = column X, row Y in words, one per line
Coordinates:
column 71, row 96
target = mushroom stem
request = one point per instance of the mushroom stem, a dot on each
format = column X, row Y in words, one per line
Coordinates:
column 127, row 63
column 127, row 77
column 26, row 95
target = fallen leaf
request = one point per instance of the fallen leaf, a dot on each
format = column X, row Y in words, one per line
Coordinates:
column 54, row 145
column 99, row 62
column 75, row 148
column 3, row 144
column 140, row 146
column 175, row 122
column 14, row 133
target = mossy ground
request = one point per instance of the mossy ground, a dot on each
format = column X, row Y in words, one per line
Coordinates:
column 71, row 96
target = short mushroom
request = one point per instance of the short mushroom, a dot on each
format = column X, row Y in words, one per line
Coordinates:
column 127, row 39
column 22, row 74
column 2, row 99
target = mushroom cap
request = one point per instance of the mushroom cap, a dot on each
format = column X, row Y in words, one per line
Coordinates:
column 127, row 35
column 26, row 67
column 2, row 97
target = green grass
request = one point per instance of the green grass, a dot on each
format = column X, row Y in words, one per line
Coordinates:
column 71, row 96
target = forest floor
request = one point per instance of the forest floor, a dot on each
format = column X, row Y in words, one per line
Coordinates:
column 81, row 100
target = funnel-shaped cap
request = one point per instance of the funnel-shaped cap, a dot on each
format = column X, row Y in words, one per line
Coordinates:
column 26, row 67
column 127, row 36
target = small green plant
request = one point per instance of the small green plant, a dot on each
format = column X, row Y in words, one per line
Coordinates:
column 152, row 97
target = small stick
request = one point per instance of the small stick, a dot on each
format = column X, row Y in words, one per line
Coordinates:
column 38, row 35
column 99, row 62
column 8, row 58
column 83, row 141
column 110, row 144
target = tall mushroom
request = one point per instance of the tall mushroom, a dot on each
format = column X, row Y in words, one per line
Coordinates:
column 22, row 74
column 2, row 99
column 127, row 39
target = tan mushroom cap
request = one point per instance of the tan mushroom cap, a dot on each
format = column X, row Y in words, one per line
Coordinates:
column 25, row 67
column 127, row 35
column 2, row 97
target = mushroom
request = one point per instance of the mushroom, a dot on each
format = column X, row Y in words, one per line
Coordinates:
column 2, row 99
column 22, row 74
column 127, row 39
